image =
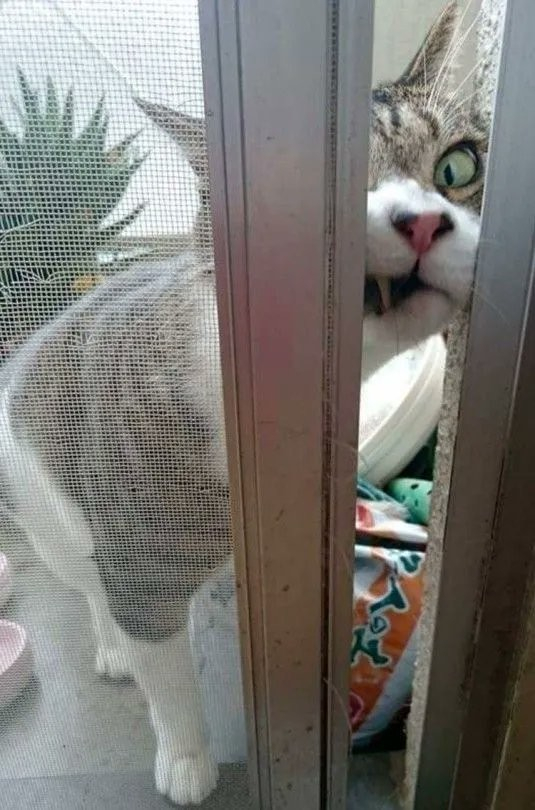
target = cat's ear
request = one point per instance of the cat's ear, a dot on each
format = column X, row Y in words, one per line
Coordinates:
column 435, row 50
column 188, row 132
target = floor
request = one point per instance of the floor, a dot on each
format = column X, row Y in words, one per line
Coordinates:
column 75, row 741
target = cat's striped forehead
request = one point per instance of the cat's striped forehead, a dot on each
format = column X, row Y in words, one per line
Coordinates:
column 409, row 135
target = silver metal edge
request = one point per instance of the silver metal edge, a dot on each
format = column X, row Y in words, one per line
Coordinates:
column 504, row 618
column 221, row 81
column 496, row 327
column 266, row 101
column 354, row 64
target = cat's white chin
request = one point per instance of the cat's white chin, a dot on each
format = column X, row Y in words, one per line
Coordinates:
column 423, row 314
column 445, row 271
column 448, row 266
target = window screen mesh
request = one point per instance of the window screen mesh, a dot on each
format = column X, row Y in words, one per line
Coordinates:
column 110, row 448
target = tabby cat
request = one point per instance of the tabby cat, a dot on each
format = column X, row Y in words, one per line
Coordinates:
column 111, row 424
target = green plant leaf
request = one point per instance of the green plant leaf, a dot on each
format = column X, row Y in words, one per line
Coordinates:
column 9, row 142
column 111, row 232
column 30, row 99
column 56, row 191
column 52, row 109
column 67, row 123
column 96, row 124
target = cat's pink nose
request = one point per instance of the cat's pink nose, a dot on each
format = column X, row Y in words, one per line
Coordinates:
column 421, row 230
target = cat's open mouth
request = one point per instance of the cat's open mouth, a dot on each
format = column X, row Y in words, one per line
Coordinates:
column 382, row 294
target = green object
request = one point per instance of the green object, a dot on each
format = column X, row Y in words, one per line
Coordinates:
column 370, row 492
column 415, row 495
column 58, row 191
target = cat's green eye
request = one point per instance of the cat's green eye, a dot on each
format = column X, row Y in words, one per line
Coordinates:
column 457, row 168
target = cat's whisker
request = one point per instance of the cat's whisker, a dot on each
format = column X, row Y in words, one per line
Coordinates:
column 454, row 104
column 348, row 564
column 468, row 76
column 459, row 44
column 487, row 241
column 476, row 292
column 450, row 54
column 361, row 460
column 343, row 703
column 346, row 446
column 458, row 40
column 398, row 340
column 453, row 111
column 443, row 64
column 451, row 97
column 425, row 72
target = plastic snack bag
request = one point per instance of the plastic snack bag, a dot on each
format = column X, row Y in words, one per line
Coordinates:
column 387, row 599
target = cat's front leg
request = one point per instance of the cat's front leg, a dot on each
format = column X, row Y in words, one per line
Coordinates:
column 111, row 658
column 185, row 771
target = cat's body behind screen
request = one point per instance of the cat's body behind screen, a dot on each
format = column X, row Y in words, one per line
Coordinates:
column 116, row 405
column 112, row 449
column 112, row 440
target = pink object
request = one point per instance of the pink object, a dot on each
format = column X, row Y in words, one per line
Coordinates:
column 16, row 661
column 6, row 579
column 421, row 230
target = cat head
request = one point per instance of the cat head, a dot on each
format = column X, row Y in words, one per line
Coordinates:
column 426, row 171
column 426, row 167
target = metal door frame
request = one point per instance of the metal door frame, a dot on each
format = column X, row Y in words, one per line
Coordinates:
column 480, row 564
column 287, row 103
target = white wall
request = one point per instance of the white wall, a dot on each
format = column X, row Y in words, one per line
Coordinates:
column 400, row 27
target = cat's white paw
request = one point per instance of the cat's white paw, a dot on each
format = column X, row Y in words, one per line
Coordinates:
column 111, row 662
column 185, row 780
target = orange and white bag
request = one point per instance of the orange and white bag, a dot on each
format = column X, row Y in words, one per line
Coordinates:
column 387, row 604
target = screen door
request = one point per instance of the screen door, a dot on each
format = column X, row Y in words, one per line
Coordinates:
column 106, row 197
column 102, row 171
column 120, row 144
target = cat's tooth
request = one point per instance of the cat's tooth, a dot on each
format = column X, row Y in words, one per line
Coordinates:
column 384, row 292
